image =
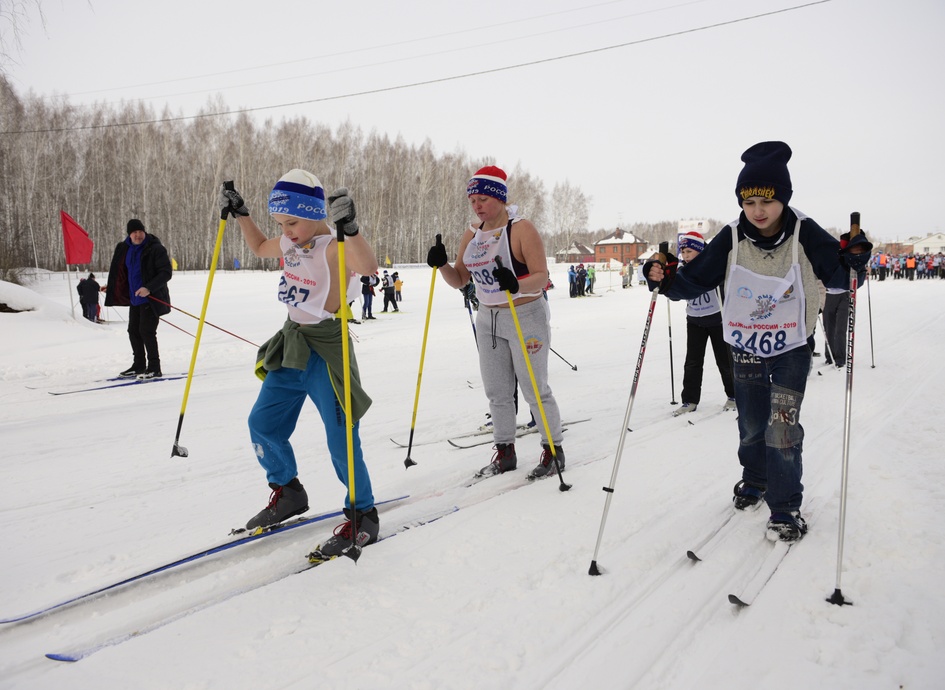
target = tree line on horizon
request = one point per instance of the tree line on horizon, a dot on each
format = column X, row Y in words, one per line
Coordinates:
column 166, row 170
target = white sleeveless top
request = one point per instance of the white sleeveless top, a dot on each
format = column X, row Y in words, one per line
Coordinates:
column 479, row 259
column 764, row 315
column 306, row 280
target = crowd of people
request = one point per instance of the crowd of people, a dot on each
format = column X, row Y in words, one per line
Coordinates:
column 907, row 266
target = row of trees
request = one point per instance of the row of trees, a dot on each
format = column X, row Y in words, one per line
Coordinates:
column 92, row 164
column 105, row 165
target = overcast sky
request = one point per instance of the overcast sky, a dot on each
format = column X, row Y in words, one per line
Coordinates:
column 648, row 116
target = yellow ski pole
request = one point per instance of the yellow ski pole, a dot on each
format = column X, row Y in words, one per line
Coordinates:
column 354, row 551
column 408, row 462
column 179, row 450
column 531, row 375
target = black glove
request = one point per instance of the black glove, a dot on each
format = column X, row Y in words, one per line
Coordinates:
column 505, row 278
column 341, row 207
column 859, row 261
column 231, row 202
column 669, row 263
column 436, row 257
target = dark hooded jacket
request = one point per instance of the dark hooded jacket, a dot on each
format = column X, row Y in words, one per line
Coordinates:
column 156, row 271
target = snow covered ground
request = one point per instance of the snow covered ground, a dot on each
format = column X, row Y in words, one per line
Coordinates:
column 496, row 594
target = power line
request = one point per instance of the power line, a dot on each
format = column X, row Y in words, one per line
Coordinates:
column 478, row 46
column 401, row 87
column 394, row 44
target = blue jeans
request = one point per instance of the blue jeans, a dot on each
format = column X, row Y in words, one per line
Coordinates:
column 768, row 394
column 276, row 412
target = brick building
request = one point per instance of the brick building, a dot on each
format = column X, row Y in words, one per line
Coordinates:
column 620, row 245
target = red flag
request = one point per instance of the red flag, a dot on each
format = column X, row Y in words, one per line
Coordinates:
column 78, row 243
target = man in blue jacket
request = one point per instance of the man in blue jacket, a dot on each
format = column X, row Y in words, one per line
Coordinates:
column 137, row 279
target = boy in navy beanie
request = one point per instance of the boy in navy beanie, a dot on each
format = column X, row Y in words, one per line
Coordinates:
column 765, row 173
column 770, row 261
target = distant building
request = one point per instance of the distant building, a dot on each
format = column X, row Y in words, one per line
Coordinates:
column 620, row 245
column 933, row 244
column 577, row 253
column 897, row 248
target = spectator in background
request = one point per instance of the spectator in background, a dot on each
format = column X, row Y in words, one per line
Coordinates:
column 140, row 269
column 398, row 286
column 390, row 298
column 88, row 289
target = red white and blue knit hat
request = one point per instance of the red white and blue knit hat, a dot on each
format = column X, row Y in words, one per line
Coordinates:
column 298, row 193
column 489, row 181
column 692, row 240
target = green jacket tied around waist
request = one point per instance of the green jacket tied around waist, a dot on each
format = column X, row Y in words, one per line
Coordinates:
column 292, row 346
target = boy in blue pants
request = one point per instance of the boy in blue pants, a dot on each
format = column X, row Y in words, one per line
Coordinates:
column 304, row 359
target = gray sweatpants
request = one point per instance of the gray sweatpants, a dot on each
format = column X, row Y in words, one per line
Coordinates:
column 501, row 362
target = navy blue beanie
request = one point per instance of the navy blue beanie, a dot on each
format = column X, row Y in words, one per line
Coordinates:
column 765, row 173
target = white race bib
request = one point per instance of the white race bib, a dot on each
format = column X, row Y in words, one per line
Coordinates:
column 764, row 315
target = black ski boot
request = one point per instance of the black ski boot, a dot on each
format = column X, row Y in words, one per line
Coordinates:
column 546, row 464
column 284, row 502
column 504, row 460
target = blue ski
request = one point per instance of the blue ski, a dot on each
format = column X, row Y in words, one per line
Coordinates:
column 283, row 527
column 81, row 653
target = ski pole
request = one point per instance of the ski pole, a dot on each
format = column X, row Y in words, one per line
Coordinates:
column 869, row 310
column 472, row 320
column 178, row 450
column 408, row 462
column 174, row 325
column 663, row 250
column 354, row 550
column 609, row 489
column 826, row 339
column 837, row 596
column 672, row 382
column 562, row 486
column 573, row 367
column 166, row 304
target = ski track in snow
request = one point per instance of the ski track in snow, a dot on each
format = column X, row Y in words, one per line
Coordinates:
column 497, row 594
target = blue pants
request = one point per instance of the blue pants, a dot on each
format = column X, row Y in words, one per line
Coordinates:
column 276, row 412
column 768, row 394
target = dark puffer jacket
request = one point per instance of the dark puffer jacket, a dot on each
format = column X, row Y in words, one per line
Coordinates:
column 156, row 271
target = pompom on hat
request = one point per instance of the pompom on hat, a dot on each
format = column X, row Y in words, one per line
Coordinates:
column 489, row 181
column 765, row 173
column 298, row 193
column 692, row 240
